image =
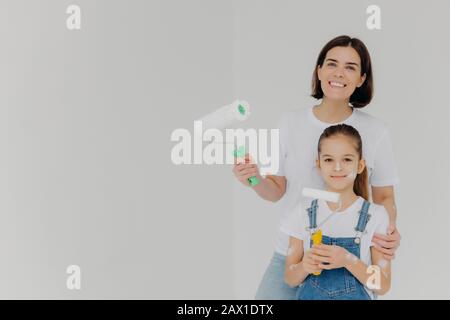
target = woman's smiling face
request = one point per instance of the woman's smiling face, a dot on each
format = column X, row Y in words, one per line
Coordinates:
column 340, row 73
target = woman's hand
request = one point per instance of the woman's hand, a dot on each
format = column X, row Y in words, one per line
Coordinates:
column 309, row 265
column 388, row 244
column 335, row 256
column 246, row 169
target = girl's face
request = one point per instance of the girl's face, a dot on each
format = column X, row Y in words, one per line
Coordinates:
column 339, row 162
column 340, row 73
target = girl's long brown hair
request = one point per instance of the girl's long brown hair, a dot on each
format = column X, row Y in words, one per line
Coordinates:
column 360, row 187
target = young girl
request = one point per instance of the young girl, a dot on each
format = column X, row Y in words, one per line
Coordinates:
column 339, row 267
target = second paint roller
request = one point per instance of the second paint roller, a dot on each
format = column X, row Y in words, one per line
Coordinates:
column 226, row 116
column 316, row 237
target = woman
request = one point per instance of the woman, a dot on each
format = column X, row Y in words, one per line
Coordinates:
column 342, row 78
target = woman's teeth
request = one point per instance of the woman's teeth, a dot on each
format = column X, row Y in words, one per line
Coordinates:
column 337, row 84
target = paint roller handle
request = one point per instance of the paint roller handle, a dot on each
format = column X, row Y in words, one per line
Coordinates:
column 316, row 240
column 245, row 170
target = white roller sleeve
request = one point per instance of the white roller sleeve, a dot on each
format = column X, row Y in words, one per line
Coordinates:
column 321, row 194
column 226, row 116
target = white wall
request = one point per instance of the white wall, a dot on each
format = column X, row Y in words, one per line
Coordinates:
column 86, row 117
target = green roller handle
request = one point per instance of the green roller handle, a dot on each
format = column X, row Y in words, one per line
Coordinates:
column 240, row 153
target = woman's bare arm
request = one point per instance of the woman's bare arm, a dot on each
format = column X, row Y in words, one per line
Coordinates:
column 271, row 188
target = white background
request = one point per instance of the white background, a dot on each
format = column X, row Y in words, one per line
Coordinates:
column 86, row 116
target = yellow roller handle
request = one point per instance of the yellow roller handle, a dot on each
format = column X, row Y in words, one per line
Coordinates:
column 317, row 239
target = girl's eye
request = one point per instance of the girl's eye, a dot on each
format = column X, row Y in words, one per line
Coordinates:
column 331, row 64
column 351, row 68
column 348, row 160
column 328, row 160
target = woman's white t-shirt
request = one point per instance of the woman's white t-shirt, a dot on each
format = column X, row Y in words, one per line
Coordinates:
column 340, row 225
column 299, row 134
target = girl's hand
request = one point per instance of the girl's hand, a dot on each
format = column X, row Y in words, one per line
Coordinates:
column 245, row 170
column 335, row 256
column 388, row 244
column 309, row 265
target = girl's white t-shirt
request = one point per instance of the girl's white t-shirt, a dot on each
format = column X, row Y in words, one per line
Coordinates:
column 341, row 224
column 299, row 134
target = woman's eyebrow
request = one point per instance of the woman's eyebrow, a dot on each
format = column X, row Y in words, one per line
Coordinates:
column 334, row 60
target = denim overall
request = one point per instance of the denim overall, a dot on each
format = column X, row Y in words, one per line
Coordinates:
column 336, row 284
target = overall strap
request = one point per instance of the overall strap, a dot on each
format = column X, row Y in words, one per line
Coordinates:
column 364, row 217
column 312, row 215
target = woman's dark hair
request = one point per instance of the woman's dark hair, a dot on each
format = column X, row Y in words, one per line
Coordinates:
column 362, row 95
column 360, row 186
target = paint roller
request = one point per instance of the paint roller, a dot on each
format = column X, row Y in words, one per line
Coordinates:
column 316, row 237
column 321, row 194
column 226, row 116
